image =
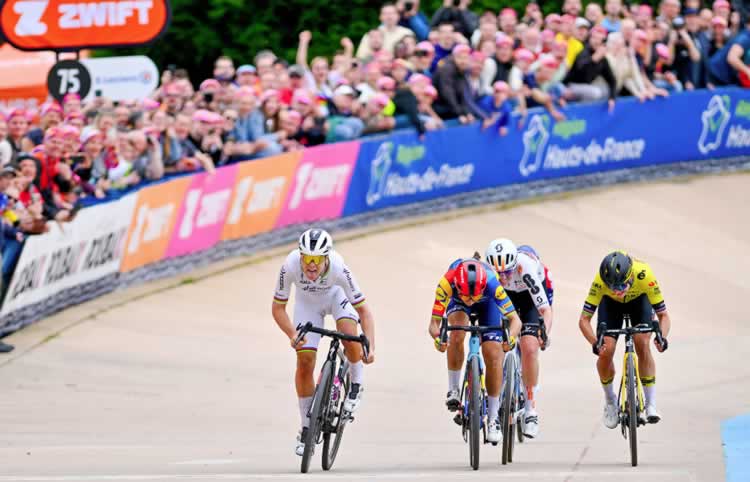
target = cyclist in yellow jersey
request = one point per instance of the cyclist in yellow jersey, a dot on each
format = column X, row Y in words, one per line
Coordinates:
column 622, row 286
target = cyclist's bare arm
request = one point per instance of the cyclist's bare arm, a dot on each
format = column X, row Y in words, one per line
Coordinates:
column 280, row 316
column 368, row 327
column 584, row 323
column 546, row 313
column 515, row 325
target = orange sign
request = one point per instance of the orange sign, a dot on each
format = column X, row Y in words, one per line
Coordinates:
column 259, row 195
column 78, row 24
column 153, row 220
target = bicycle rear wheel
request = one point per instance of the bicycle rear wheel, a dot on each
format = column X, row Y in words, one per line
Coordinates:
column 475, row 413
column 509, row 370
column 331, row 448
column 632, row 408
column 317, row 413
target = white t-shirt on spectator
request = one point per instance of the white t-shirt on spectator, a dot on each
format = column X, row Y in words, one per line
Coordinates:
column 390, row 39
column 6, row 152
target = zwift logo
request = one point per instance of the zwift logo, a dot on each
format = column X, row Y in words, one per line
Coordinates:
column 385, row 182
column 715, row 120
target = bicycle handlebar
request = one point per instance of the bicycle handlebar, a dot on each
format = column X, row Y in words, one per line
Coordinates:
column 309, row 328
column 655, row 328
column 473, row 329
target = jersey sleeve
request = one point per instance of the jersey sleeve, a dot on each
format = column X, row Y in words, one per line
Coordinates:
column 653, row 292
column 535, row 286
column 501, row 298
column 284, row 283
column 595, row 295
column 443, row 294
column 351, row 287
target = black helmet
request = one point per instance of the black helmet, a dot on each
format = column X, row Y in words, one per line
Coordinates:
column 616, row 269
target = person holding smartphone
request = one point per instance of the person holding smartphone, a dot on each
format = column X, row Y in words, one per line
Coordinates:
column 413, row 19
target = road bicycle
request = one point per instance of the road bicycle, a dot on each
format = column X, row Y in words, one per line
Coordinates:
column 472, row 416
column 630, row 398
column 327, row 415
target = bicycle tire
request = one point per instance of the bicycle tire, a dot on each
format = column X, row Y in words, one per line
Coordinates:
column 632, row 412
column 331, row 449
column 513, row 429
column 475, row 414
column 507, row 407
column 320, row 402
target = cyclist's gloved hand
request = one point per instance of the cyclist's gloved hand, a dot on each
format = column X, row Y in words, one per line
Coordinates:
column 299, row 345
column 441, row 347
column 510, row 344
column 595, row 348
column 661, row 347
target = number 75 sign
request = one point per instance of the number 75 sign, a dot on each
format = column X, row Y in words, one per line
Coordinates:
column 75, row 24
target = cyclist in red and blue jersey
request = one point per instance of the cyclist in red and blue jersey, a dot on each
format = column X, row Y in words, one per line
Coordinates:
column 472, row 286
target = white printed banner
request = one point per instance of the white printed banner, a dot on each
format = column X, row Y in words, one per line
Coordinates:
column 86, row 249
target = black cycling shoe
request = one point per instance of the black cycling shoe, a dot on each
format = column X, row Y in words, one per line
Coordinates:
column 6, row 348
column 452, row 400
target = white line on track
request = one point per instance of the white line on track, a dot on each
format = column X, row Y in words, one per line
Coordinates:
column 640, row 475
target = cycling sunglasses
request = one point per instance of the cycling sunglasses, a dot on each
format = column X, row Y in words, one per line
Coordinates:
column 475, row 299
column 317, row 260
column 623, row 286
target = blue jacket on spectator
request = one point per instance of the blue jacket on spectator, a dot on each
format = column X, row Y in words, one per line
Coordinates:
column 418, row 24
column 487, row 104
column 440, row 54
column 719, row 70
column 252, row 128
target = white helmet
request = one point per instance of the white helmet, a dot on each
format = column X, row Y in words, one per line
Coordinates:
column 315, row 242
column 502, row 254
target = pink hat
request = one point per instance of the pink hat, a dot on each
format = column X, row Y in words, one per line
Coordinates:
column 431, row 91
column 149, row 104
column 419, row 79
column 76, row 114
column 568, row 18
column 478, row 56
column 718, row 4
column 640, row 35
column 301, row 97
column 503, row 39
column 549, row 61
column 461, row 49
column 381, row 100
column 48, row 107
column 501, row 86
column 268, row 94
column 215, row 119
column 548, row 35
column 293, row 114
column 69, row 131
column 16, row 113
column 202, row 115
column 719, row 21
column 508, row 12
column 245, row 91
column 645, row 10
column 425, row 46
column 71, row 96
column 523, row 54
column 386, row 83
column 662, row 51
column 54, row 133
column 210, row 84
column 552, row 17
column 89, row 134
column 600, row 30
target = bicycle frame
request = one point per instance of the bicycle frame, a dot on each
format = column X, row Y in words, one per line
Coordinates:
column 475, row 344
column 630, row 353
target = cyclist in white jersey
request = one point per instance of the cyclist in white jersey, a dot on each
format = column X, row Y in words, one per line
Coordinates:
column 325, row 286
column 528, row 284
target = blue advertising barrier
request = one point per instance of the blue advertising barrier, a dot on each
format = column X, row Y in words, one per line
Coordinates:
column 399, row 169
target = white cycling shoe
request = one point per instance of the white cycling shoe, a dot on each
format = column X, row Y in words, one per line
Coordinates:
column 610, row 415
column 531, row 424
column 353, row 398
column 494, row 432
column 300, row 447
column 453, row 400
column 652, row 416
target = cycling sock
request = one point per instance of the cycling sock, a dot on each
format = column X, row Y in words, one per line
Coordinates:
column 454, row 379
column 530, row 403
column 304, row 407
column 357, row 371
column 649, row 389
column 609, row 390
column 493, row 407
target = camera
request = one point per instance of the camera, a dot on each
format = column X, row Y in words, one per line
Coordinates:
column 456, row 3
column 408, row 6
column 208, row 97
column 678, row 23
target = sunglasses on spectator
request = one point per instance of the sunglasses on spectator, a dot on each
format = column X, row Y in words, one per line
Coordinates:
column 316, row 260
column 230, row 117
column 421, row 53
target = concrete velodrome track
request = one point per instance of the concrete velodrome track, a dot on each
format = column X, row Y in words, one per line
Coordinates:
column 191, row 379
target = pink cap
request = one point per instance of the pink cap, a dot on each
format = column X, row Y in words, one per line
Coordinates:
column 71, row 96
column 431, row 91
column 419, row 79
column 568, row 18
column 426, row 46
column 215, row 119
column 268, row 94
column 718, row 4
column 508, row 12
column 640, row 35
column 48, row 107
column 210, row 84
column 600, row 30
column 501, row 86
column 16, row 113
column 719, row 22
column 645, row 10
column 69, row 132
column 301, row 97
column 662, row 51
column 88, row 134
column 503, row 39
column 478, row 56
column 294, row 115
column 552, row 18
column 461, row 49
column 76, row 114
column 202, row 115
column 38, row 149
column 245, row 91
column 150, row 104
column 523, row 54
column 54, row 133
column 549, row 61
column 381, row 100
column 386, row 83
column 548, row 35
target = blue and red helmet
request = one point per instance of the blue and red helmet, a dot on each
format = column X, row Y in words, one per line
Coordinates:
column 470, row 279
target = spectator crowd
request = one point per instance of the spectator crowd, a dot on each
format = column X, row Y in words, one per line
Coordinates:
column 410, row 70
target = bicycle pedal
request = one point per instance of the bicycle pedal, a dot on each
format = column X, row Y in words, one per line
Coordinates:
column 458, row 419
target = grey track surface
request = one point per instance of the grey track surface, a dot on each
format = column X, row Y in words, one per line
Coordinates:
column 195, row 382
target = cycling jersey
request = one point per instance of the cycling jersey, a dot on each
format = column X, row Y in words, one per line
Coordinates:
column 531, row 276
column 644, row 283
column 494, row 292
column 337, row 274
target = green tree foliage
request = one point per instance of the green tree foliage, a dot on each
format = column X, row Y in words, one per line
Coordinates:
column 203, row 30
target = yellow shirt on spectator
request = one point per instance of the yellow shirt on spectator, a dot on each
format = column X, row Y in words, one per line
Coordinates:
column 574, row 48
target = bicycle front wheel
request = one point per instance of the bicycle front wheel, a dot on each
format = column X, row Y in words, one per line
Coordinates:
column 331, row 448
column 508, row 407
column 632, row 408
column 317, row 413
column 475, row 413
